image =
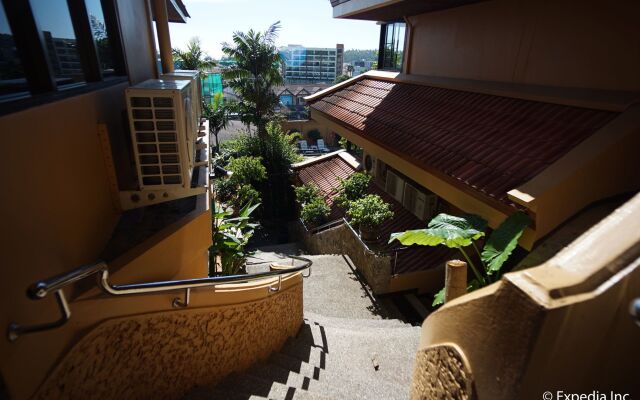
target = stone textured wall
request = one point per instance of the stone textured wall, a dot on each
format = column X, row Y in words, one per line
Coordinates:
column 442, row 372
column 341, row 240
column 163, row 355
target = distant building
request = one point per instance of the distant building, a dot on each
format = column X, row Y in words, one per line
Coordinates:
column 63, row 54
column 311, row 64
column 292, row 103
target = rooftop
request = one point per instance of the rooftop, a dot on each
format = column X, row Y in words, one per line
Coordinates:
column 484, row 143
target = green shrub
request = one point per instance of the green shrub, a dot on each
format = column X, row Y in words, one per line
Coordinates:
column 246, row 195
column 353, row 188
column 246, row 170
column 315, row 212
column 224, row 189
column 306, row 193
column 369, row 211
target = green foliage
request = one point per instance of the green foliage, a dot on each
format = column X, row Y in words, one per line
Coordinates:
column 224, row 189
column 254, row 73
column 461, row 232
column 246, row 195
column 438, row 299
column 353, row 55
column 353, row 188
column 369, row 211
column 306, row 193
column 277, row 152
column 453, row 232
column 193, row 58
column 247, row 170
column 315, row 211
column 218, row 115
column 503, row 241
column 230, row 238
column 343, row 142
column 341, row 78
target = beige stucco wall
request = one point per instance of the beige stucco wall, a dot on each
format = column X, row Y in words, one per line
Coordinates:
column 560, row 43
column 304, row 126
column 564, row 325
column 163, row 355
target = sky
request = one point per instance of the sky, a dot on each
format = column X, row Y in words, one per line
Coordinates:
column 306, row 22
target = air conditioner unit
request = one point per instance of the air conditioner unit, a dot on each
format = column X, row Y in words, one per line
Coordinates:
column 394, row 186
column 164, row 141
column 196, row 90
column 370, row 164
column 421, row 204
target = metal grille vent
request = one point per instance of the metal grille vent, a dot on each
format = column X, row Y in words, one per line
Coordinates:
column 156, row 140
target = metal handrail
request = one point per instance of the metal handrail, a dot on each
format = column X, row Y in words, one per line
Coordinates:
column 323, row 227
column 56, row 284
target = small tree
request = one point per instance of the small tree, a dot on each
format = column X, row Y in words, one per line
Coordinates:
column 353, row 188
column 218, row 115
column 368, row 213
column 306, row 193
column 315, row 212
column 460, row 233
column 193, row 58
column 247, row 170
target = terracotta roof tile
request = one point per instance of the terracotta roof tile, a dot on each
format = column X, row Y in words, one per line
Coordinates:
column 326, row 174
column 490, row 143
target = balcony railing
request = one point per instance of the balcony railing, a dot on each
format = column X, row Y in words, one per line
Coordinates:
column 56, row 284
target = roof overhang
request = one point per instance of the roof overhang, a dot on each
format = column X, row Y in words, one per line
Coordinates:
column 597, row 168
column 391, row 10
column 177, row 11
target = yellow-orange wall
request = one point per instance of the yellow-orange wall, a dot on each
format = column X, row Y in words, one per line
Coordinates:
column 566, row 43
column 56, row 209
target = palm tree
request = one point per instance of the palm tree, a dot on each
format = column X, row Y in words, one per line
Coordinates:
column 218, row 115
column 255, row 74
column 194, row 58
column 350, row 70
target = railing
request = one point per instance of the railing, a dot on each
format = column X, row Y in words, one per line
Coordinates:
column 41, row 289
column 324, row 227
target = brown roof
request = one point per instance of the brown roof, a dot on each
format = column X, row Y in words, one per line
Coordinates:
column 488, row 144
column 327, row 174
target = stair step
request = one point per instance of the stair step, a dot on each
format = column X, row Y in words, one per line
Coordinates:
column 285, row 376
column 216, row 393
column 353, row 323
column 296, row 365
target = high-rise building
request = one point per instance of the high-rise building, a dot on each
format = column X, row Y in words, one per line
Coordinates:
column 311, row 64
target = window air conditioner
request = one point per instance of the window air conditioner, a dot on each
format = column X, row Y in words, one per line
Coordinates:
column 196, row 90
column 394, row 186
column 422, row 205
column 370, row 164
column 164, row 141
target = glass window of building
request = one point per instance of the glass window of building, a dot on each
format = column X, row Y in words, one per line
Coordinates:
column 392, row 46
column 54, row 20
column 12, row 78
column 100, row 36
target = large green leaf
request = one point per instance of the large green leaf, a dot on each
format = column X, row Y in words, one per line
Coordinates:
column 452, row 231
column 503, row 240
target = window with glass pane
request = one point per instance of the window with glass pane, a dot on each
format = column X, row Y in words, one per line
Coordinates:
column 393, row 46
column 12, row 78
column 54, row 20
column 99, row 30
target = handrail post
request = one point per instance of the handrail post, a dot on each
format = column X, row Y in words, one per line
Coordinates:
column 14, row 331
column 455, row 281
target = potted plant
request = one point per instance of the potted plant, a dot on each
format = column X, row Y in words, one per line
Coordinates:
column 353, row 188
column 315, row 212
column 368, row 213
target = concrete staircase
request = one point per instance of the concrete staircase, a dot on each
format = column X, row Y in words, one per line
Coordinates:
column 345, row 349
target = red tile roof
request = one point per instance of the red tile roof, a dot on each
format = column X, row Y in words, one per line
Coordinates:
column 327, row 173
column 488, row 143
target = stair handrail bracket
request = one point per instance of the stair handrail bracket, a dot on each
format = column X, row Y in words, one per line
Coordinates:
column 42, row 289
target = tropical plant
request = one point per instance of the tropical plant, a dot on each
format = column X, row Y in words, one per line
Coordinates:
column 247, row 170
column 353, row 188
column 218, row 115
column 246, row 195
column 255, row 74
column 230, row 239
column 315, row 212
column 461, row 232
column 193, row 58
column 224, row 189
column 340, row 79
column 306, row 193
column 369, row 212
column 350, row 70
